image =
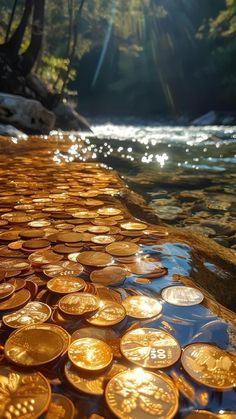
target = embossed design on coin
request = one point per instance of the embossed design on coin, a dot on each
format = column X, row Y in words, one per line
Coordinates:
column 60, row 408
column 90, row 354
column 210, row 365
column 182, row 296
column 65, row 284
column 33, row 313
column 141, row 307
column 142, row 394
column 109, row 313
column 150, row 348
column 79, row 304
column 24, row 395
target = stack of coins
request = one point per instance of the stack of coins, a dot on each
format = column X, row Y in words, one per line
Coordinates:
column 89, row 309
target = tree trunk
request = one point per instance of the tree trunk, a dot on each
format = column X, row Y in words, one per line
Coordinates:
column 11, row 20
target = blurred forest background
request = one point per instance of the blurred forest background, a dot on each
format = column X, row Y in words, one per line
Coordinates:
column 136, row 57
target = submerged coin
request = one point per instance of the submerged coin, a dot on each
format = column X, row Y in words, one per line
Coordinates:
column 109, row 313
column 60, row 407
column 23, row 395
column 90, row 354
column 34, row 345
column 182, row 296
column 150, row 348
column 141, row 306
column 79, row 304
column 142, row 394
column 33, row 313
column 122, row 248
column 201, row 414
column 110, row 275
column 66, row 284
column 90, row 258
column 210, row 365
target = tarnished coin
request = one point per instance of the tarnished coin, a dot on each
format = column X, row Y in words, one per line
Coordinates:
column 16, row 300
column 34, row 345
column 201, row 414
column 33, row 313
column 66, row 284
column 141, row 306
column 79, row 304
column 182, row 296
column 60, row 407
column 90, row 258
column 6, row 290
column 210, row 365
column 142, row 394
column 90, row 354
column 65, row 268
column 122, row 248
column 23, row 395
column 108, row 314
column 110, row 275
column 150, row 348
column 91, row 383
column 133, row 226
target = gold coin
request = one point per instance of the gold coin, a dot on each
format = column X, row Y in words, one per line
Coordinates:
column 65, row 268
column 35, row 244
column 33, row 313
column 210, row 365
column 150, row 348
column 99, row 229
column 73, row 256
column 142, row 394
column 110, row 275
column 39, row 223
column 60, row 407
column 91, row 383
column 44, row 257
column 90, row 258
column 16, row 300
column 141, row 307
column 31, row 233
column 108, row 335
column 69, row 237
column 133, row 226
column 102, row 239
column 85, row 214
column 108, row 314
column 79, row 304
column 6, row 290
column 23, row 348
column 142, row 267
column 65, row 284
column 109, row 211
column 182, row 296
column 23, row 395
column 122, row 248
column 10, row 235
column 90, row 354
column 201, row 414
column 17, row 245
column 18, row 283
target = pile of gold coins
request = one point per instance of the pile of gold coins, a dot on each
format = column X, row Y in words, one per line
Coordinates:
column 78, row 332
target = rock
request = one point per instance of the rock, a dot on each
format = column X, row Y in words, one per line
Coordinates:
column 68, row 119
column 27, row 114
column 167, row 213
column 9, row 130
column 208, row 118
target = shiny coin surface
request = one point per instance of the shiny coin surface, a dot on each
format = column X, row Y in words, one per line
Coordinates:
column 122, row 248
column 66, row 284
column 141, row 307
column 35, row 244
column 23, row 348
column 110, row 275
column 33, row 313
column 6, row 290
column 201, row 414
column 133, row 226
column 60, row 407
column 109, row 211
column 90, row 258
column 99, row 229
column 79, row 304
column 150, row 348
column 23, row 395
column 93, row 383
column 182, row 296
column 16, row 300
column 210, row 365
column 43, row 257
column 142, row 394
column 90, row 354
column 65, row 268
column 108, row 314
column 103, row 239
column 69, row 237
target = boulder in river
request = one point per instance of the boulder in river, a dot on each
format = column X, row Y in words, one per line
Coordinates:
column 208, row 118
column 68, row 119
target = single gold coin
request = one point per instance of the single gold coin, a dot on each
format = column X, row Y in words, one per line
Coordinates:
column 93, row 384
column 31, row 233
column 141, row 306
column 202, row 414
column 109, row 313
column 91, row 258
column 210, row 365
column 133, row 226
column 24, row 395
column 34, row 345
column 150, row 348
column 109, row 211
column 90, row 354
column 107, row 334
column 85, row 214
column 103, row 239
column 17, row 245
column 109, row 275
column 122, row 248
column 181, row 295
column 44, row 257
column 99, row 229
column 60, row 407
column 6, row 290
column 142, row 394
column 18, row 283
column 65, row 268
column 65, row 284
column 33, row 313
column 10, row 235
column 69, row 237
column 16, row 300
column 79, row 304
column 35, row 244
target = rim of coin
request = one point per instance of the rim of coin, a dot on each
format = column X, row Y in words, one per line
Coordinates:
column 90, row 354
column 79, row 304
column 150, row 348
column 181, row 295
column 109, row 313
column 6, row 290
column 142, row 306
column 66, row 284
column 58, row 403
column 122, row 248
column 91, row 258
column 133, row 382
column 16, row 300
column 33, row 313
